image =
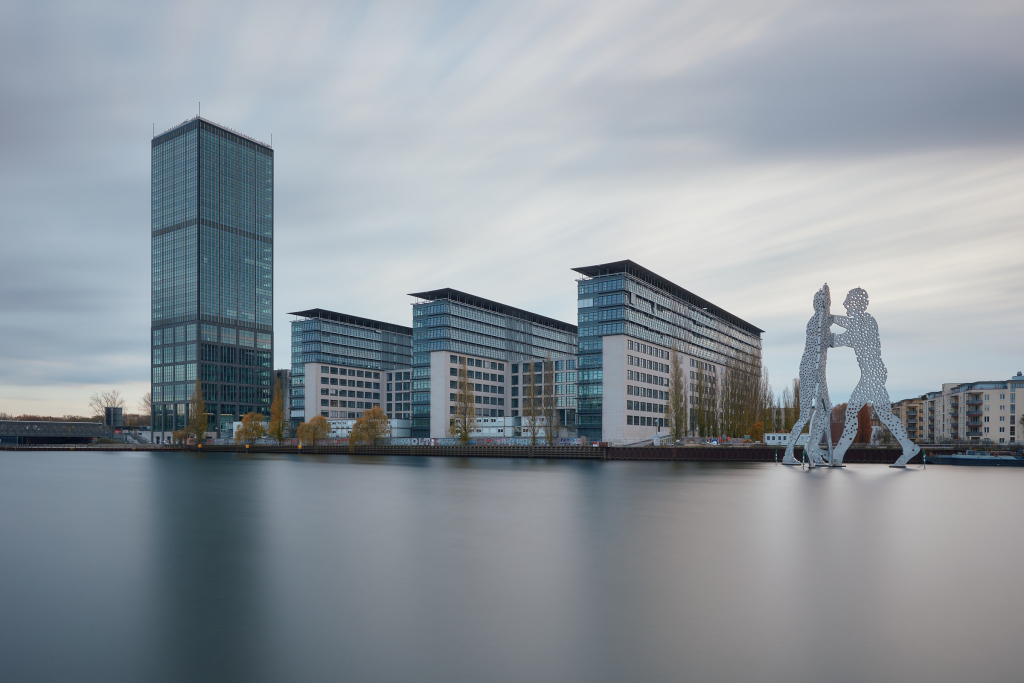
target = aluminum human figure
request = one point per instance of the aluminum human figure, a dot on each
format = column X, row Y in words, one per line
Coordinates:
column 812, row 381
column 862, row 336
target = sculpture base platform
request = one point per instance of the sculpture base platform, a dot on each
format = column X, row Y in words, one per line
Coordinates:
column 836, row 465
column 902, row 467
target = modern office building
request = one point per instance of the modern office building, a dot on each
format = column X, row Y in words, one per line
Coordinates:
column 451, row 327
column 630, row 319
column 369, row 353
column 212, row 237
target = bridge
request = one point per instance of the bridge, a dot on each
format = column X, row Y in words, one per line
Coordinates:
column 44, row 432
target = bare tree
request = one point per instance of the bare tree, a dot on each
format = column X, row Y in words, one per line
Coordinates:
column 463, row 422
column 550, row 408
column 197, row 419
column 146, row 404
column 677, row 410
column 99, row 402
column 531, row 402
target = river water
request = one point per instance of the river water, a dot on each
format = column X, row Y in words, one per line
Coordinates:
column 171, row 567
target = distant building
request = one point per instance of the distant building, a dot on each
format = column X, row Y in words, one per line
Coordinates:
column 212, row 235
column 451, row 327
column 978, row 412
column 910, row 411
column 327, row 346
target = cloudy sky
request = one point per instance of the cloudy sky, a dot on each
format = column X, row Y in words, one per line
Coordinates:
column 747, row 150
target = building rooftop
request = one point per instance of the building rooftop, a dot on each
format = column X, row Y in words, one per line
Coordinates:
column 655, row 280
column 323, row 314
column 157, row 139
column 488, row 305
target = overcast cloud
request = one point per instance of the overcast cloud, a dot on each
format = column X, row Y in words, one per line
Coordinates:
column 748, row 150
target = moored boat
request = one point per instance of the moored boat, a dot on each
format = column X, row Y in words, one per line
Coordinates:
column 982, row 458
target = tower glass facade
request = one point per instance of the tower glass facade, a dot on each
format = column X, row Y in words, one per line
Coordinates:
column 212, row 274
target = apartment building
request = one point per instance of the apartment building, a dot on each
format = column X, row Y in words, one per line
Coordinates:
column 982, row 412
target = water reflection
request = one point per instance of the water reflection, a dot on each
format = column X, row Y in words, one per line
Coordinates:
column 172, row 567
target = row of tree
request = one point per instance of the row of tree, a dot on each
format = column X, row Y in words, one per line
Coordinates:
column 539, row 407
column 371, row 426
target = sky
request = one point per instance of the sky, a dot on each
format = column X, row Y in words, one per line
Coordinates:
column 747, row 150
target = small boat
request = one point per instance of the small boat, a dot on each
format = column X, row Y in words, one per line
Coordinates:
column 983, row 458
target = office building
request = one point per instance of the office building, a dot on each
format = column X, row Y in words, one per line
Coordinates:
column 369, row 353
column 494, row 340
column 630, row 319
column 212, row 232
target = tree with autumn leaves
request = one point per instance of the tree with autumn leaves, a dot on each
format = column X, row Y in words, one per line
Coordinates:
column 371, row 426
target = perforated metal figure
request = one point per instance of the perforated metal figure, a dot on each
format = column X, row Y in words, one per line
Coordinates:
column 862, row 336
column 813, row 387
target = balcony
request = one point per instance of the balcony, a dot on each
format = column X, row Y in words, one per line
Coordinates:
column 973, row 412
column 974, row 423
column 974, row 401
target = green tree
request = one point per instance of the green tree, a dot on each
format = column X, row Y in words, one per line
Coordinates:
column 372, row 425
column 278, row 420
column 463, row 421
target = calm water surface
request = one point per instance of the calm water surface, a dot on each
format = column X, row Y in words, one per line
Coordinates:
column 167, row 567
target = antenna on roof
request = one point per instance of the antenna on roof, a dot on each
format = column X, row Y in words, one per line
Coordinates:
column 200, row 109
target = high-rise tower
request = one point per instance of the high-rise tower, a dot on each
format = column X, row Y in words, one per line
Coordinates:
column 212, row 274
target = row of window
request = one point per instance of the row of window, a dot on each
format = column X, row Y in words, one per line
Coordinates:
column 646, row 378
column 400, row 406
column 211, row 392
column 209, row 333
column 351, row 404
column 486, row 388
column 644, row 407
column 647, row 349
column 591, row 287
column 228, row 374
column 645, row 392
column 350, row 394
column 477, row 363
column 645, row 421
column 486, row 376
column 484, row 412
column 334, row 381
column 486, row 400
column 326, row 370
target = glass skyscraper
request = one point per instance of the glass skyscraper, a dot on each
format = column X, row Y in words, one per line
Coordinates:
column 212, row 274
